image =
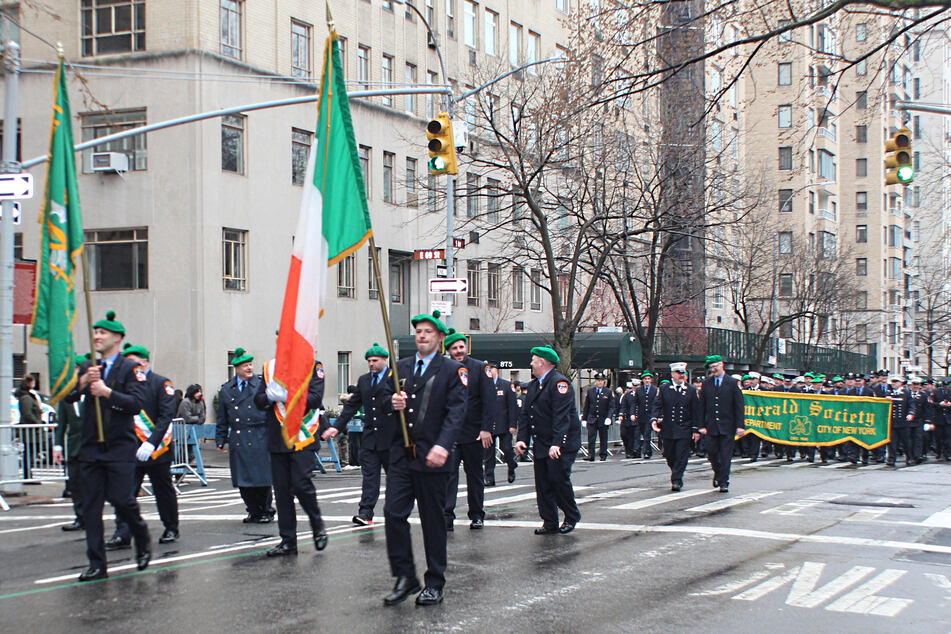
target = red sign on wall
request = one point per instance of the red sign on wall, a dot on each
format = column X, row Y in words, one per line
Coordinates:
column 24, row 291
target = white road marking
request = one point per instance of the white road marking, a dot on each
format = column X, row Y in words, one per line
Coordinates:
column 867, row 515
column 800, row 465
column 794, row 508
column 804, row 578
column 604, row 495
column 736, row 500
column 32, row 528
column 870, row 467
column 836, row 465
column 522, row 497
column 863, row 600
column 661, row 499
column 941, row 519
column 733, row 586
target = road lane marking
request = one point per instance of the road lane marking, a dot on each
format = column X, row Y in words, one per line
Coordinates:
column 736, row 500
column 796, row 507
column 863, row 599
column 661, row 499
column 941, row 519
column 836, row 465
column 522, row 497
column 804, row 578
column 605, row 495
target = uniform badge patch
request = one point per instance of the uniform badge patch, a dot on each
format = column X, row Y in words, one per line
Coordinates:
column 464, row 376
column 139, row 373
column 488, row 371
column 562, row 387
column 320, row 370
column 169, row 388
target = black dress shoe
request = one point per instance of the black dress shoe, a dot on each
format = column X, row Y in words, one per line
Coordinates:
column 76, row 525
column 361, row 520
column 754, row 459
column 116, row 543
column 252, row 518
column 724, row 488
column 603, row 458
column 477, row 524
column 168, row 536
column 716, row 482
column 264, row 519
column 282, row 549
column 91, row 574
column 511, row 475
column 320, row 539
column 142, row 559
column 676, row 486
column 450, row 524
column 566, row 527
column 489, row 482
column 590, row 459
column 405, row 586
column 546, row 530
column 429, row 596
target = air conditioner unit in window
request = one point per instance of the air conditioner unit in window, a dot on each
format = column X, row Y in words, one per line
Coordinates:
column 110, row 162
column 473, row 61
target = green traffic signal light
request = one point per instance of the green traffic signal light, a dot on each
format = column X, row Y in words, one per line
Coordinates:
column 906, row 173
column 437, row 164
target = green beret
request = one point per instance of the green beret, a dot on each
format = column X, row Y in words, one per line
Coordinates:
column 711, row 359
column 138, row 351
column 809, row 374
column 777, row 375
column 546, row 352
column 664, row 381
column 453, row 336
column 376, row 350
column 647, row 373
column 240, row 356
column 837, row 378
column 433, row 319
column 816, row 380
column 79, row 359
column 746, row 377
column 110, row 324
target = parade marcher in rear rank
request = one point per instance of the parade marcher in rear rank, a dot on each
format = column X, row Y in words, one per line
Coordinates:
column 919, row 396
column 903, row 418
column 373, row 393
column 676, row 417
column 751, row 443
column 596, row 414
column 723, row 415
column 68, row 437
column 942, row 400
column 504, row 420
column 550, row 419
column 243, row 427
column 153, row 426
column 643, row 405
column 627, row 418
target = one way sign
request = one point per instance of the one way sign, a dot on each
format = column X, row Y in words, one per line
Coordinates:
column 16, row 186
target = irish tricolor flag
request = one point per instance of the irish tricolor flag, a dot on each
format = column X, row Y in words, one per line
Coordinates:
column 334, row 222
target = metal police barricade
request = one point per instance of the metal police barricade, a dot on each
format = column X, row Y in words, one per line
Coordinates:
column 333, row 458
column 185, row 437
column 33, row 446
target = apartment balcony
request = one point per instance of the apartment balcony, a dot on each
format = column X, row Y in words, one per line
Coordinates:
column 827, row 133
column 827, row 214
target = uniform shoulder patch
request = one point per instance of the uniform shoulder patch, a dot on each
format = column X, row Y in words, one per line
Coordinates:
column 464, row 376
column 488, row 371
column 562, row 387
column 319, row 370
column 140, row 374
column 169, row 388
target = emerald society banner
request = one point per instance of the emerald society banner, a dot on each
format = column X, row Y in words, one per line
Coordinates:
column 817, row 419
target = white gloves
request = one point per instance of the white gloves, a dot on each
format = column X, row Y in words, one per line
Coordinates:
column 145, row 451
column 584, row 423
column 607, row 421
column 276, row 393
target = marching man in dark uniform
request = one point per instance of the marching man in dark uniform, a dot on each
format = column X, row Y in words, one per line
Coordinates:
column 504, row 420
column 434, row 400
column 373, row 393
column 644, row 397
column 676, row 417
column 474, row 437
column 292, row 467
column 107, row 463
column 626, row 419
column 69, row 430
column 550, row 420
column 903, row 417
column 154, row 428
column 596, row 414
column 243, row 427
column 723, row 415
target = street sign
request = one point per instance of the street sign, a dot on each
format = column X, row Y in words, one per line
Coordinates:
column 17, row 212
column 16, row 186
column 442, row 270
column 24, row 291
column 439, row 285
column 444, row 308
column 458, row 243
column 429, row 254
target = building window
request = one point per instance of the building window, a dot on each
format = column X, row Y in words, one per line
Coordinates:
column 785, row 157
column 515, row 44
column 861, row 100
column 411, row 197
column 718, row 297
column 916, row 126
column 300, row 49
column 234, row 259
column 861, row 167
column 536, row 290
column 493, row 192
column 562, row 5
column 387, row 77
column 785, row 284
column 451, row 19
column 118, row 259
column 300, row 148
column 343, row 372
column 431, row 100
column 786, row 330
column 532, row 50
column 363, row 66
column 342, row 45
column 861, row 330
column 916, row 93
column 347, row 277
column 785, row 242
column 785, row 116
column 388, row 158
column 826, row 244
column 18, row 245
column 473, row 271
column 861, row 32
column 388, row 5
column 861, row 67
column 491, row 32
column 861, row 134
column 785, row 200
column 472, row 195
column 96, row 125
column 112, row 26
column 474, row 323
column 373, row 292
column 893, row 332
column 470, row 23
column 518, row 288
column 785, row 73
column 231, row 28
column 410, row 100
column 861, row 267
column 397, row 281
column 812, row 203
column 232, row 143
column 364, row 153
column 861, row 234
column 894, row 268
column 519, row 327
column 861, row 201
column 492, row 285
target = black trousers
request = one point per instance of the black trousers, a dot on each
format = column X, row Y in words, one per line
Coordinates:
column 355, row 442
column 470, row 455
column 901, row 438
column 74, row 482
column 405, row 486
column 553, row 489
column 677, row 451
column 257, row 500
column 942, row 440
column 291, row 474
column 720, row 455
column 504, row 442
column 160, row 475
column 595, row 432
column 751, row 444
column 629, row 438
column 371, row 461
column 115, row 482
column 644, row 438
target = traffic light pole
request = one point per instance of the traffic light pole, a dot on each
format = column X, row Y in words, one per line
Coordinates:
column 934, row 108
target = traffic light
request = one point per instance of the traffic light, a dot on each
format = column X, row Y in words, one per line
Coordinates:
column 899, row 168
column 442, row 147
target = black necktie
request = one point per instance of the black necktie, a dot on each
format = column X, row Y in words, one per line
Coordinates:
column 376, row 378
column 241, row 386
column 419, row 368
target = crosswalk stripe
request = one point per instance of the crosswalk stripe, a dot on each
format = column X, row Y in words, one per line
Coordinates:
column 872, row 466
column 522, row 497
column 604, row 495
column 836, row 465
column 941, row 519
column 660, row 499
column 794, row 508
column 744, row 498
column 800, row 465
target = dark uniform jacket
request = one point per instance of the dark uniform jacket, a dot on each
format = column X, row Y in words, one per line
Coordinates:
column 902, row 405
column 69, row 427
column 117, row 411
column 380, row 425
column 644, row 402
column 243, row 427
column 627, row 408
column 680, row 410
column 435, row 407
column 598, row 407
column 158, row 402
column 481, row 402
column 549, row 416
column 942, row 412
column 504, row 415
column 315, row 400
column 722, row 409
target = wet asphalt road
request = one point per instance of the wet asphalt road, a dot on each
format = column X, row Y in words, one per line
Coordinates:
column 791, row 547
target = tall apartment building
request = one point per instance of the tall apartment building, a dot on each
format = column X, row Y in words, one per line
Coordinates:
column 191, row 245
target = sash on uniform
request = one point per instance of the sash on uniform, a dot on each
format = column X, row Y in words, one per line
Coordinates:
column 144, row 428
column 310, row 422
